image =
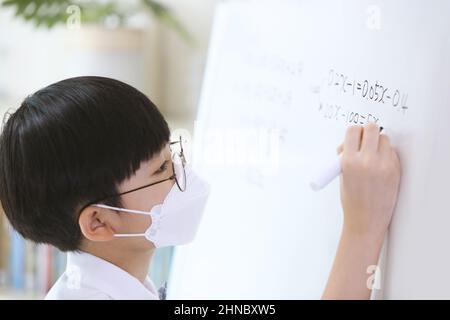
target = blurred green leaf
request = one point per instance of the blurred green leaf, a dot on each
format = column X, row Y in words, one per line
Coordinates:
column 165, row 15
column 50, row 13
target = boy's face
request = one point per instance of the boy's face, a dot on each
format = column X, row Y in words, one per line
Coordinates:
column 100, row 225
column 157, row 169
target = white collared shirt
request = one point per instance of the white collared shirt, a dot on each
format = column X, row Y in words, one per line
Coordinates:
column 89, row 277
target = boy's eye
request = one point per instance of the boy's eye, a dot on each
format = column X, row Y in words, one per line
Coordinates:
column 162, row 168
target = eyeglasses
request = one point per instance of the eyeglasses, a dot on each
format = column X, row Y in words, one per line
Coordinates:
column 178, row 169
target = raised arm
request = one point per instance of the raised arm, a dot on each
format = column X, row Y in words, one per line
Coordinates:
column 369, row 188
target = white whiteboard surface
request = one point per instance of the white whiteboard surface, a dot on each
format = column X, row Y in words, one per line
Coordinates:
column 284, row 79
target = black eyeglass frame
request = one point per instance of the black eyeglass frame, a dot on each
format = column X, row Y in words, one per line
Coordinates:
column 172, row 177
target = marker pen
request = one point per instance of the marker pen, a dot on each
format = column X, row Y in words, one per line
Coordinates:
column 328, row 173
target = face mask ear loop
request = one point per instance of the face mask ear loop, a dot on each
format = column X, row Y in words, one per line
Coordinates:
column 125, row 235
column 122, row 209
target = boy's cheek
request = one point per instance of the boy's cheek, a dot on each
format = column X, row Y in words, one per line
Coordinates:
column 134, row 223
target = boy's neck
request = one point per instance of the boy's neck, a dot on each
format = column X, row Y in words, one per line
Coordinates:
column 136, row 263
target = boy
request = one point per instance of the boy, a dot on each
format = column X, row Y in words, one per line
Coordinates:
column 87, row 166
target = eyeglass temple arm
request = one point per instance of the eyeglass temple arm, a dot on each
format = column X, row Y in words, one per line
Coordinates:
column 179, row 141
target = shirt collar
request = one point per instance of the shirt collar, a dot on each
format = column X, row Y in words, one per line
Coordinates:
column 100, row 274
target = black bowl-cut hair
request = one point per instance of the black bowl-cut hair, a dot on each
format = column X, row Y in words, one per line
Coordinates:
column 71, row 143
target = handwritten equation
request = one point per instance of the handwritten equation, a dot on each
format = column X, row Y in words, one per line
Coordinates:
column 368, row 90
column 263, row 93
column 273, row 64
column 340, row 113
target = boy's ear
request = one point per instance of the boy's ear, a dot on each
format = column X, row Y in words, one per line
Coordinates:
column 96, row 224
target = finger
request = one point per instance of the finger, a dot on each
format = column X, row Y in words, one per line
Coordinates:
column 340, row 149
column 395, row 156
column 370, row 138
column 384, row 145
column 352, row 140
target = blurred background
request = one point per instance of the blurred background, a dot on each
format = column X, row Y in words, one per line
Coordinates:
column 159, row 47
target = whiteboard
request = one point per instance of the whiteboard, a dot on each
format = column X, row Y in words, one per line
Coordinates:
column 283, row 81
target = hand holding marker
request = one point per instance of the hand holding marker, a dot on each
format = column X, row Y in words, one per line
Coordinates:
column 328, row 174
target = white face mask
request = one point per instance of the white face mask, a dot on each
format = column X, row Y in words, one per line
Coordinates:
column 176, row 220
